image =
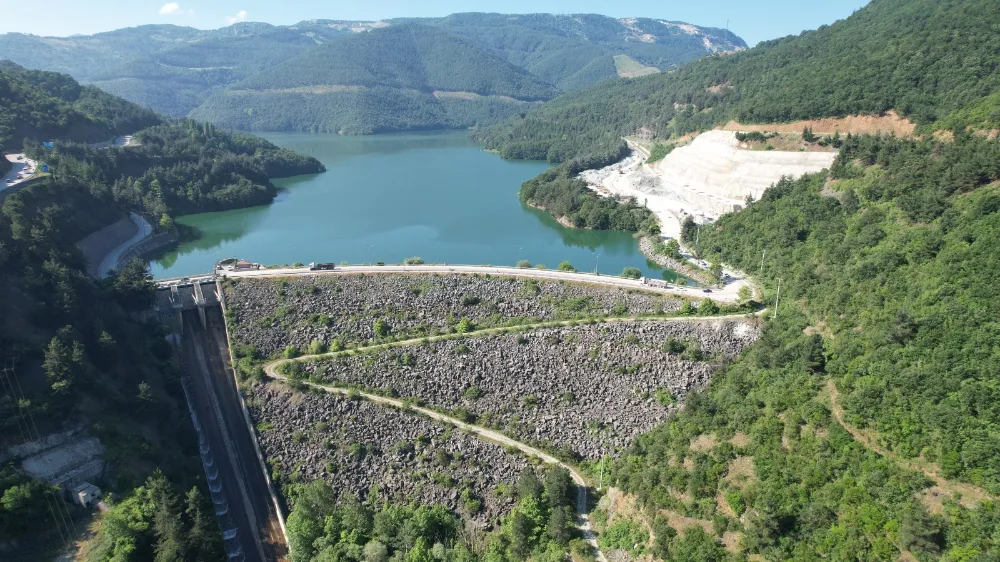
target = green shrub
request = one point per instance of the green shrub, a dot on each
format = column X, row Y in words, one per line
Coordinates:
column 464, row 326
column 631, row 273
column 381, row 328
column 665, row 397
column 625, row 534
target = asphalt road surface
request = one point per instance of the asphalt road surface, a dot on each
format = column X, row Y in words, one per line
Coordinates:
column 728, row 294
column 110, row 261
column 24, row 167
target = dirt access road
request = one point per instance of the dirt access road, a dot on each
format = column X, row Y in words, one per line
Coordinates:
column 971, row 495
column 271, row 370
column 488, row 434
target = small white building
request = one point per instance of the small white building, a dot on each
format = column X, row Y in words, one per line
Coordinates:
column 86, row 494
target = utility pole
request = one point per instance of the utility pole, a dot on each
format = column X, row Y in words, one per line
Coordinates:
column 762, row 254
column 597, row 264
column 776, row 295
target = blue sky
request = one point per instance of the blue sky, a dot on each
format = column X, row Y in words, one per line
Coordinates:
column 754, row 20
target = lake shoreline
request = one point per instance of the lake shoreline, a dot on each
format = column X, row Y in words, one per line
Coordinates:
column 388, row 197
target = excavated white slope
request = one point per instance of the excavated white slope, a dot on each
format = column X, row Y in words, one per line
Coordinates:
column 705, row 179
column 714, row 164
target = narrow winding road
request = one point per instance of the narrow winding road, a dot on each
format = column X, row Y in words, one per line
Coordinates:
column 110, row 261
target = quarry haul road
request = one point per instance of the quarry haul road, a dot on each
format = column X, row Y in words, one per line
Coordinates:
column 728, row 294
column 271, row 370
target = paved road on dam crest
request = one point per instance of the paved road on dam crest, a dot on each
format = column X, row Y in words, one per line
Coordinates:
column 728, row 294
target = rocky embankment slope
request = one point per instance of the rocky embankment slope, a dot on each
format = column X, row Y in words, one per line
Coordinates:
column 590, row 389
column 271, row 314
column 358, row 447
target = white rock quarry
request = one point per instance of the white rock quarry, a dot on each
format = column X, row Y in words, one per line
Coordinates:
column 705, row 179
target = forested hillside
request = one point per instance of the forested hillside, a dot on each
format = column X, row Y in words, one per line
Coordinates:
column 47, row 105
column 175, row 69
column 385, row 79
column 888, row 308
column 933, row 62
column 923, row 58
column 80, row 355
column 178, row 79
column 573, row 51
column 168, row 68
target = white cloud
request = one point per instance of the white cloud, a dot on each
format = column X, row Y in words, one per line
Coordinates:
column 174, row 9
column 240, row 16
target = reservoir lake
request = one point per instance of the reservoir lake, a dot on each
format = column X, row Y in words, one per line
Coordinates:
column 384, row 198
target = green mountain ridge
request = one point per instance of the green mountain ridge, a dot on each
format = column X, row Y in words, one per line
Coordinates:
column 175, row 70
column 376, row 81
column 923, row 58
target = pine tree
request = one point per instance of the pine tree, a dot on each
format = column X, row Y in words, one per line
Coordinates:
column 167, row 524
column 203, row 544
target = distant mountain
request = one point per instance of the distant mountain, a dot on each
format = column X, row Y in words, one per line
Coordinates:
column 933, row 62
column 176, row 69
column 401, row 77
column 578, row 50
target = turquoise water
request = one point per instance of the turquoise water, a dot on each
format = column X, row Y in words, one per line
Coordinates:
column 388, row 197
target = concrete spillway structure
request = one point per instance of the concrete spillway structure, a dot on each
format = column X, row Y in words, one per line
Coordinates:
column 245, row 503
column 172, row 300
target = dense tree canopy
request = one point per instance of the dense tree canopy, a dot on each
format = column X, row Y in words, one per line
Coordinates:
column 887, row 295
column 80, row 354
column 322, row 527
column 47, row 105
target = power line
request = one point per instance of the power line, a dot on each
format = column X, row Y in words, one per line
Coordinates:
column 61, row 513
column 61, row 508
column 23, row 429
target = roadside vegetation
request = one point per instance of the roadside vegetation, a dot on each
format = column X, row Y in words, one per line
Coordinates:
column 47, row 105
